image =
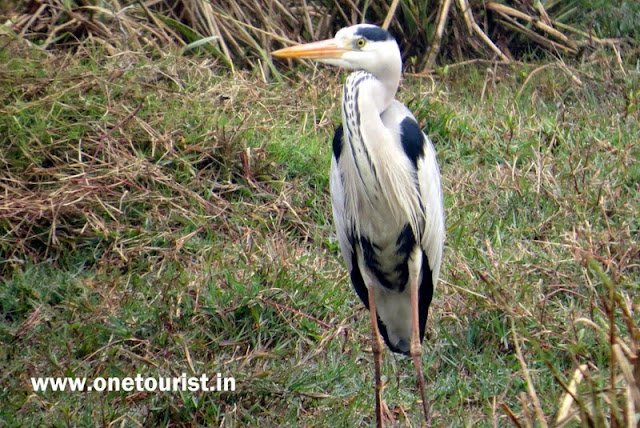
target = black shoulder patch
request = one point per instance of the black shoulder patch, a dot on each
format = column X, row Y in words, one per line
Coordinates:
column 374, row 34
column 337, row 143
column 412, row 140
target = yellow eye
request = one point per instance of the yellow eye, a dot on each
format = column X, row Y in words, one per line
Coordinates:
column 360, row 43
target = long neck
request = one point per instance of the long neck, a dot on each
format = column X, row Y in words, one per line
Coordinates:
column 377, row 177
column 365, row 98
column 370, row 90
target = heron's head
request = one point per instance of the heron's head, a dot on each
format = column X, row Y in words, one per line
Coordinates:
column 359, row 47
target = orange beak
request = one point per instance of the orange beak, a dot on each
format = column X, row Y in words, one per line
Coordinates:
column 325, row 49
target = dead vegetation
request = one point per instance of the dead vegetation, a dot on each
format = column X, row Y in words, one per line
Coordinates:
column 96, row 159
column 241, row 33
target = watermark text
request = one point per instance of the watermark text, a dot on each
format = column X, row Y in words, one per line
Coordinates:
column 139, row 383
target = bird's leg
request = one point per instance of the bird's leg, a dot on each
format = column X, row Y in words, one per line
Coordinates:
column 376, row 348
column 415, row 349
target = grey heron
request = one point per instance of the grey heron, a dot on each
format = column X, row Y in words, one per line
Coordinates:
column 385, row 192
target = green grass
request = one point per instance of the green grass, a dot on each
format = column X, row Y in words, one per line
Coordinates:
column 160, row 218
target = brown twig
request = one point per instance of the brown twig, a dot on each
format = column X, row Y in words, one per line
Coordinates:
column 434, row 47
column 527, row 377
column 390, row 13
column 473, row 27
column 295, row 311
column 119, row 124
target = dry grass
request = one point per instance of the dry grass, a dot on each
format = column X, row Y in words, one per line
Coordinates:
column 124, row 159
column 241, row 33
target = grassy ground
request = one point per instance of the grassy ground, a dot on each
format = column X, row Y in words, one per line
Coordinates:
column 160, row 218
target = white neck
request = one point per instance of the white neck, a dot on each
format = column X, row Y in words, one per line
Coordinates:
column 371, row 146
column 382, row 89
column 365, row 98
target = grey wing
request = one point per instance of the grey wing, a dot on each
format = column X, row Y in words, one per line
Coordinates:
column 428, row 176
column 419, row 149
column 345, row 237
column 344, row 223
